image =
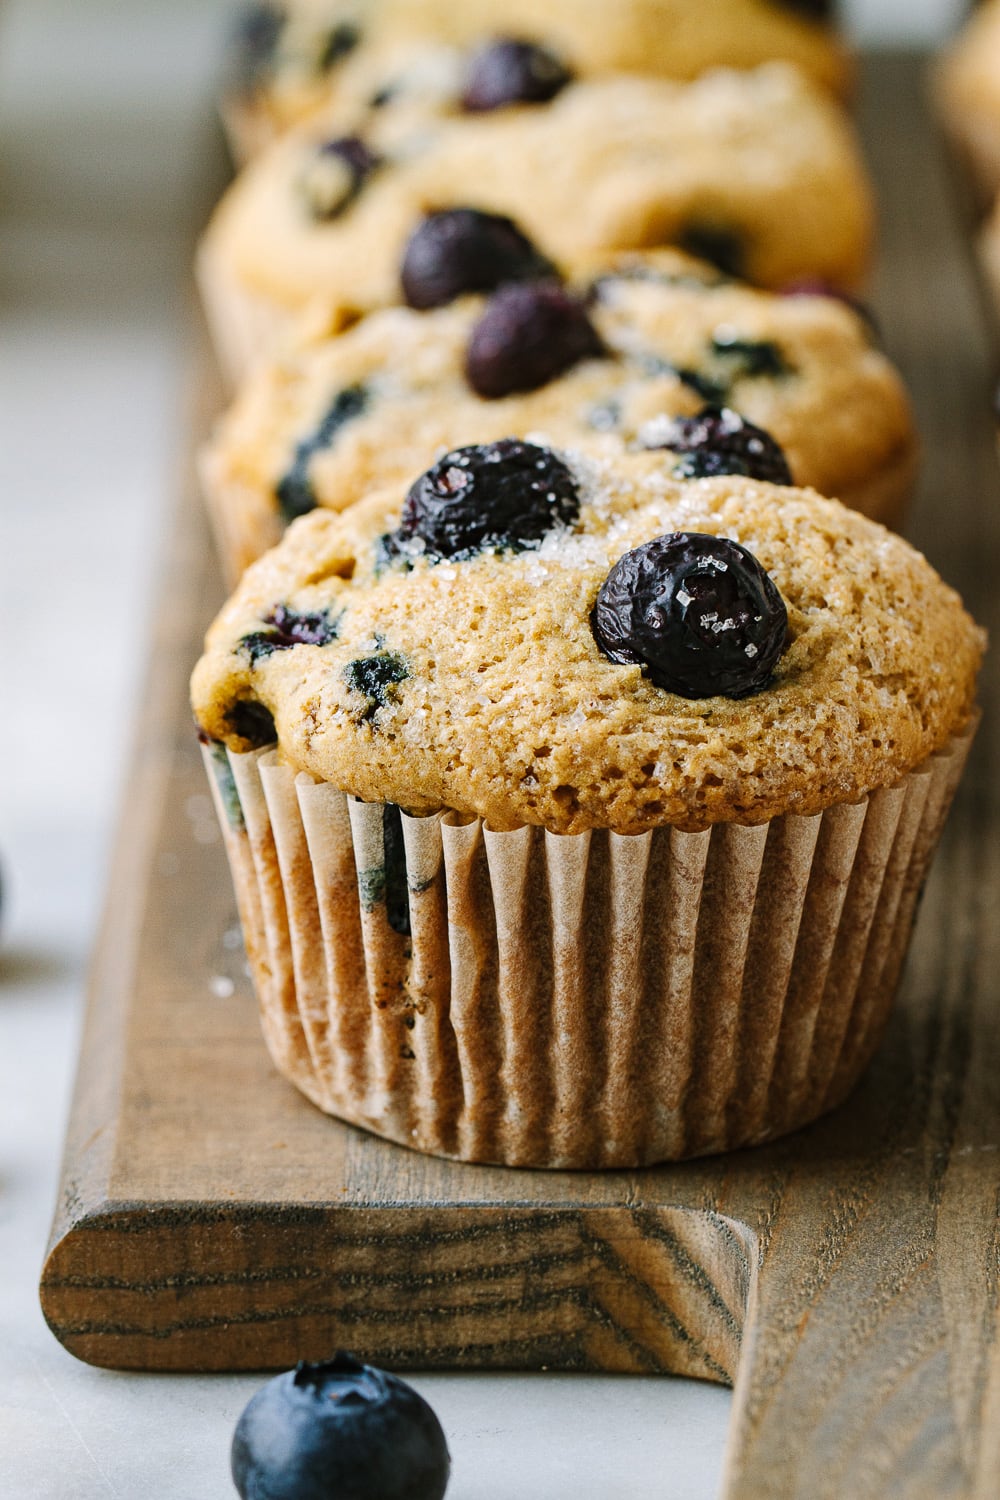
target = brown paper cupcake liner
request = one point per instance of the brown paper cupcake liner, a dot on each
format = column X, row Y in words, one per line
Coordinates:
column 573, row 1001
column 242, row 324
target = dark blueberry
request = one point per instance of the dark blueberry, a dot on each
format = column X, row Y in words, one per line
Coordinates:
column 815, row 286
column 295, row 492
column 289, row 629
column 721, row 247
column 509, row 71
column 459, row 250
column 375, row 678
column 813, row 10
column 338, row 171
column 506, row 494
column 698, row 612
column 255, row 42
column 339, row 1430
column 339, row 43
column 252, row 722
column 654, row 365
column 529, row 333
column 720, row 441
column 747, row 358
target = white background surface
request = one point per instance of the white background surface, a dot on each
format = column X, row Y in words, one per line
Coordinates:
column 103, row 121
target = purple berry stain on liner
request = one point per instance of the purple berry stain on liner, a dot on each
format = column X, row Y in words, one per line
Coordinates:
column 337, row 1429
column 510, row 71
column 497, row 496
column 459, row 250
column 698, row 613
column 529, row 334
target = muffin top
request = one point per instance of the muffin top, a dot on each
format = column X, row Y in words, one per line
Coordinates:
column 291, row 59
column 549, row 638
column 633, row 341
column 754, row 170
column 970, row 72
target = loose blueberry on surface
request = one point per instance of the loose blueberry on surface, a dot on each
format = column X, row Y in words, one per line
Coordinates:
column 290, row 629
column 698, row 612
column 336, row 174
column 528, row 334
column 720, row 441
column 505, row 494
column 252, row 722
column 509, row 71
column 339, row 43
column 721, row 247
column 376, row 678
column 459, row 250
column 294, row 492
column 339, row 1430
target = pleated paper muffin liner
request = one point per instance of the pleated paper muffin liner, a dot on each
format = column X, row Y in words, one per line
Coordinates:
column 243, row 324
column 591, row 1000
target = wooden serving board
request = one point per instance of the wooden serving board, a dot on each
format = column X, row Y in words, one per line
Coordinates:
column 846, row 1280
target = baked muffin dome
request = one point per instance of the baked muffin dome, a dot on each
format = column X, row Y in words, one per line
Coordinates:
column 333, row 416
column 474, row 682
column 755, row 169
column 292, row 58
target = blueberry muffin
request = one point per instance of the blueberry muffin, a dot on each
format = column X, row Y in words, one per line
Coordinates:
column 968, row 94
column 577, row 813
column 606, row 362
column 290, row 60
column 754, row 171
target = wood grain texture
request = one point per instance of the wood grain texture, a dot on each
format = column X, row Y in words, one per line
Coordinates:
column 847, row 1279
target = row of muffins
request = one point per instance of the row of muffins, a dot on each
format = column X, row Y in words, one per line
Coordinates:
column 578, row 768
column 967, row 87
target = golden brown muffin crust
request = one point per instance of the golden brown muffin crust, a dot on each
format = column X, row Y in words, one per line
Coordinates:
column 804, row 368
column 507, row 709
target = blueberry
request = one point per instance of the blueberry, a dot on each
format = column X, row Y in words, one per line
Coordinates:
column 812, row 10
column 698, row 612
column 294, row 492
column 290, row 629
column 339, row 1430
column 376, row 678
column 338, row 44
column 529, row 333
column 460, row 250
column 336, row 174
column 252, row 722
column 505, row 494
column 720, row 441
column 720, row 246
column 509, row 71
column 255, row 42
